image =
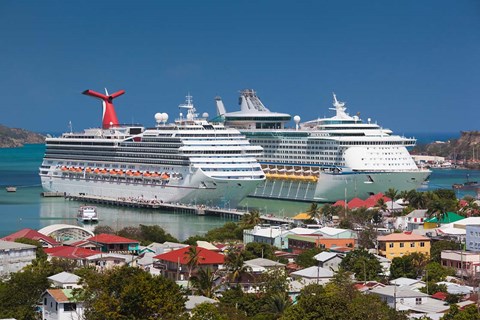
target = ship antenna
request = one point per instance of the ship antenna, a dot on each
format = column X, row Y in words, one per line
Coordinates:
column 109, row 117
column 70, row 126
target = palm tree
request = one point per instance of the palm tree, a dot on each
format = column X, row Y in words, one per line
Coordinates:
column 328, row 211
column 278, row 303
column 381, row 205
column 314, row 212
column 436, row 209
column 251, row 219
column 392, row 194
column 193, row 259
column 204, row 282
column 234, row 263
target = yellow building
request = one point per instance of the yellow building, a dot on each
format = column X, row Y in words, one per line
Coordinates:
column 400, row 244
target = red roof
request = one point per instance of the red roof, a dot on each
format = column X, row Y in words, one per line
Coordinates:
column 70, row 252
column 31, row 234
column 339, row 203
column 440, row 296
column 356, row 203
column 206, row 256
column 111, row 238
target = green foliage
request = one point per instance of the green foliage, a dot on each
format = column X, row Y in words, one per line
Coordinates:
column 468, row 313
column 435, row 272
column 260, row 250
column 274, row 282
column 305, row 259
column 20, row 294
column 130, row 293
column 339, row 300
column 250, row 219
column 207, row 311
column 103, row 229
column 432, row 288
column 438, row 246
column 248, row 303
column 363, row 264
column 409, row 266
column 230, row 231
column 203, row 283
column 367, row 237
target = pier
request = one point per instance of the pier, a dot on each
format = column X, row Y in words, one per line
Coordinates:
column 200, row 210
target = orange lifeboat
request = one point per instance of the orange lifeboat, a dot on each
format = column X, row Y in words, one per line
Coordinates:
column 154, row 175
column 120, row 172
column 103, row 171
column 88, row 170
column 137, row 173
column 97, row 171
column 129, row 173
column 146, row 174
column 165, row 176
column 64, row 168
column 113, row 172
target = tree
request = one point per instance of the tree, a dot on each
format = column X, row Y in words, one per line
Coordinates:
column 306, row 258
column 193, row 259
column 130, row 293
column 439, row 246
column 363, row 264
column 39, row 252
column 392, row 194
column 155, row 233
column 259, row 250
column 468, row 313
column 328, row 211
column 251, row 219
column 204, row 282
column 381, row 205
column 207, row 311
column 367, row 237
column 234, row 263
column 409, row 266
column 103, row 229
column 314, row 212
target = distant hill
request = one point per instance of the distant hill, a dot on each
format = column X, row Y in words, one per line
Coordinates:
column 464, row 150
column 14, row 137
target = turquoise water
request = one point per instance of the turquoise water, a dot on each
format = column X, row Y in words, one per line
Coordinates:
column 26, row 208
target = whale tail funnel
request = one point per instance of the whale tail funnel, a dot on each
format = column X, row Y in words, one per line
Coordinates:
column 109, row 117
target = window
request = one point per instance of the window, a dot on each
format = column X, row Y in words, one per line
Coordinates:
column 390, row 245
column 402, row 244
column 418, row 300
column 70, row 307
column 412, row 244
column 422, row 244
column 45, row 301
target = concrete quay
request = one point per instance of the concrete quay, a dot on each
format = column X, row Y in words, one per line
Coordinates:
column 233, row 214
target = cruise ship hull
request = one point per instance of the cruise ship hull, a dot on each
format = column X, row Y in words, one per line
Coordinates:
column 194, row 189
column 333, row 187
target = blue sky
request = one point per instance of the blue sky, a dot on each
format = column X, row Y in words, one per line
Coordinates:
column 412, row 66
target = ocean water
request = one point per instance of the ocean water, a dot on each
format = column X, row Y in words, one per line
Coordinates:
column 26, row 208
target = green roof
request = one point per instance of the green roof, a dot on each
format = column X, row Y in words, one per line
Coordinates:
column 448, row 217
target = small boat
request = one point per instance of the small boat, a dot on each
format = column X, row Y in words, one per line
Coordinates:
column 11, row 189
column 87, row 214
column 467, row 185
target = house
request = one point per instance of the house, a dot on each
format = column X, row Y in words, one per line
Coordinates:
column 465, row 263
column 472, row 236
column 264, row 233
column 65, row 280
column 115, row 244
column 385, row 264
column 174, row 264
column 313, row 274
column 14, row 256
column 262, row 265
column 405, row 299
column 46, row 241
column 329, row 260
column 412, row 221
column 399, row 244
column 72, row 253
column 104, row 261
column 413, row 284
column 447, row 218
column 299, row 243
column 59, row 304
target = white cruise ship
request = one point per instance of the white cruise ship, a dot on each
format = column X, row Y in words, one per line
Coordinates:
column 323, row 160
column 190, row 161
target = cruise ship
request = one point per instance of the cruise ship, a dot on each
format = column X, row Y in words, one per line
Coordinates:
column 190, row 161
column 323, row 160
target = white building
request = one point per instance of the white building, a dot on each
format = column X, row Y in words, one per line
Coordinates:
column 14, row 256
column 59, row 304
column 329, row 260
column 65, row 280
column 465, row 263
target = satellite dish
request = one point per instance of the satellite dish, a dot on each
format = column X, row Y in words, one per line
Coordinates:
column 158, row 117
column 297, row 121
column 164, row 117
column 205, row 115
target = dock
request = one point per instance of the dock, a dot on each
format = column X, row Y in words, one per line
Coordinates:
column 200, row 210
column 52, row 194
